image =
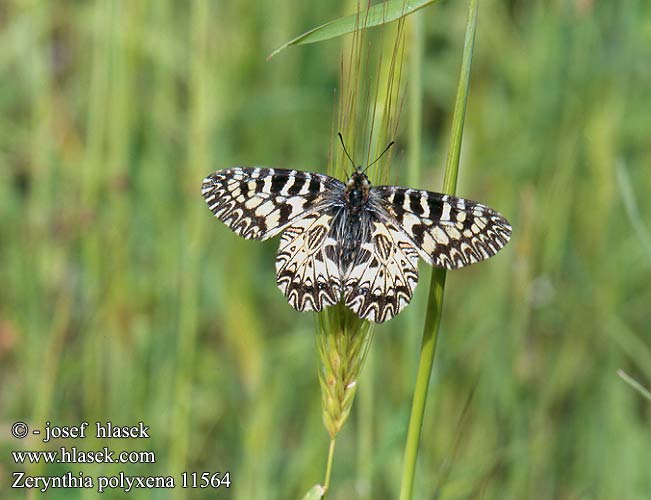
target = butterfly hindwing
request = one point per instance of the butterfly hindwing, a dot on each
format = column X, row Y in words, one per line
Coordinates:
column 306, row 268
column 449, row 232
column 383, row 275
column 258, row 203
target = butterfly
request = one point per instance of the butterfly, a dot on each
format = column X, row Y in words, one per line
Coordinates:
column 350, row 240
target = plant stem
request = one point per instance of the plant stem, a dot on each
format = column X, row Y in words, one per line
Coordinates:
column 437, row 285
column 427, row 351
column 331, row 454
column 634, row 384
column 415, row 95
column 454, row 151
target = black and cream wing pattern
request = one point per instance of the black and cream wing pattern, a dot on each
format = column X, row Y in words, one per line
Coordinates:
column 352, row 242
column 449, row 232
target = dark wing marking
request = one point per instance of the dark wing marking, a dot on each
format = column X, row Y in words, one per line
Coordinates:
column 449, row 232
column 258, row 203
column 384, row 274
column 306, row 268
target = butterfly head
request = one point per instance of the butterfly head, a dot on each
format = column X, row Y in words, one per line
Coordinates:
column 358, row 185
column 357, row 188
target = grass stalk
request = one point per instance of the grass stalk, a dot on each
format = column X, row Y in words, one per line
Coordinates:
column 415, row 96
column 634, row 384
column 331, row 455
column 437, row 284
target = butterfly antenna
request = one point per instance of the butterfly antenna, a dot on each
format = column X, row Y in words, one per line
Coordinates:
column 346, row 151
column 378, row 158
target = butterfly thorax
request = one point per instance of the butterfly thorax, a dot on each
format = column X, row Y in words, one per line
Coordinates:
column 352, row 220
column 357, row 190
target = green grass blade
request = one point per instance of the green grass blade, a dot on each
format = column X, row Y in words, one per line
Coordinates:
column 377, row 15
column 437, row 285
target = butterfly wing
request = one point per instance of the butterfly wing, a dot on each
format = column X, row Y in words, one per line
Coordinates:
column 448, row 232
column 382, row 278
column 258, row 203
column 306, row 267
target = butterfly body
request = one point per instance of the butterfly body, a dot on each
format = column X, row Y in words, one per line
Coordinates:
column 352, row 241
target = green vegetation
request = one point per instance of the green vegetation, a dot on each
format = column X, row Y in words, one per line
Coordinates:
column 123, row 299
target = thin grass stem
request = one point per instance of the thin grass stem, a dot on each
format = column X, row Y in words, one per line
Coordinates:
column 331, row 455
column 415, row 94
column 634, row 384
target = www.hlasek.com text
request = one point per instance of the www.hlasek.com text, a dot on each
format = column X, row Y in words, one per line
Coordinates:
column 73, row 455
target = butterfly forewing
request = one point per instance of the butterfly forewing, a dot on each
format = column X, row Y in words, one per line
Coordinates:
column 258, row 203
column 449, row 232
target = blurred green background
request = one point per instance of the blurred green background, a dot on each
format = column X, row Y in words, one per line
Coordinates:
column 123, row 299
